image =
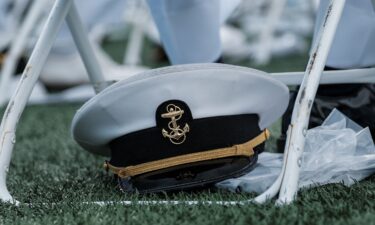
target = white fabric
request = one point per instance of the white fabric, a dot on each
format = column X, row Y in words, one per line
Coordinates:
column 189, row 30
column 208, row 89
column 354, row 43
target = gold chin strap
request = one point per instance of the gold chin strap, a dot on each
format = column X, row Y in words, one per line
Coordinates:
column 245, row 149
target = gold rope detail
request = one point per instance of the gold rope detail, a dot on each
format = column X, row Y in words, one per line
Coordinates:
column 245, row 149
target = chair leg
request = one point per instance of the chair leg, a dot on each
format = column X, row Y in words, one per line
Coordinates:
column 301, row 112
column 25, row 86
column 85, row 49
column 287, row 182
column 134, row 49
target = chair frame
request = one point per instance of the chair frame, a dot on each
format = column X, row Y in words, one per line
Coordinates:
column 286, row 184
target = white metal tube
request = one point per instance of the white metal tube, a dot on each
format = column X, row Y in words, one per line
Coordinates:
column 82, row 42
column 18, row 46
column 134, row 47
column 274, row 189
column 302, row 108
column 365, row 75
column 29, row 78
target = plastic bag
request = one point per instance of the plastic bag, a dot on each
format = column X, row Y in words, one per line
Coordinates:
column 338, row 151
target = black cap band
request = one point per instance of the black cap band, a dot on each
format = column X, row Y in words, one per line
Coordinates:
column 204, row 134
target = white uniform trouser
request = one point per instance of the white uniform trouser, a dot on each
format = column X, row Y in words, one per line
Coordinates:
column 354, row 43
column 190, row 29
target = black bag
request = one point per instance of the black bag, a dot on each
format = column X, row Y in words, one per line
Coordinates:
column 356, row 101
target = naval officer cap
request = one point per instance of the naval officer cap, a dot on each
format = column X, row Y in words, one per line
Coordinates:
column 181, row 127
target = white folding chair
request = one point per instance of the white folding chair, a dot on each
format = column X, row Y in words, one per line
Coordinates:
column 286, row 183
column 54, row 72
column 18, row 45
column 62, row 9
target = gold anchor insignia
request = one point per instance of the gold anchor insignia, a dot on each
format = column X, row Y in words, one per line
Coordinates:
column 176, row 135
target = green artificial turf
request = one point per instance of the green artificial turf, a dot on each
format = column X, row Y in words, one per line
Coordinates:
column 53, row 173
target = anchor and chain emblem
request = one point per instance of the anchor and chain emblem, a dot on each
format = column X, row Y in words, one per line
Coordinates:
column 177, row 135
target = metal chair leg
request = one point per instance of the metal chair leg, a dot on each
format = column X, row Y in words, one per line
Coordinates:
column 87, row 54
column 305, row 98
column 29, row 78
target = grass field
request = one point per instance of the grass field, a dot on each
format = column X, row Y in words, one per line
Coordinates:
column 53, row 173
column 48, row 167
